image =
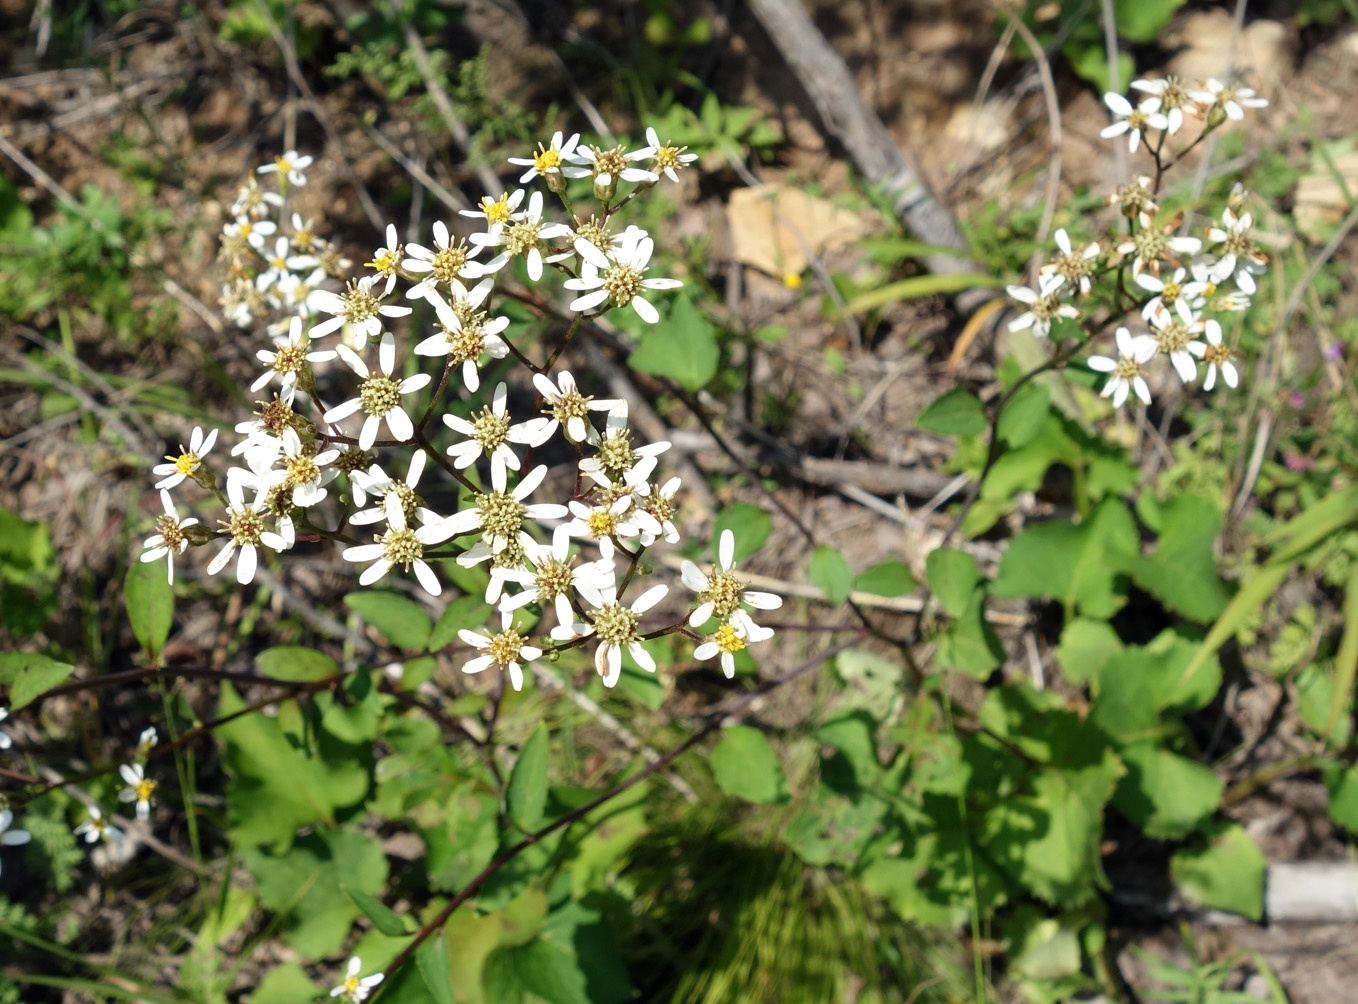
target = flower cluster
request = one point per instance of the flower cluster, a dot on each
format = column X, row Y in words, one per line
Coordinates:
column 1178, row 282
column 346, row 385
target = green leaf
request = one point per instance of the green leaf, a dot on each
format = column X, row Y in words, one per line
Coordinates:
column 1224, row 872
column 1085, row 648
column 970, row 643
column 1165, row 794
column 526, row 792
column 889, row 578
column 295, row 662
column 1182, row 572
column 401, row 621
column 1342, row 783
column 1256, row 591
column 645, row 688
column 285, row 984
column 1346, row 659
column 32, row 676
column 382, row 916
column 853, row 734
column 749, row 524
column 465, row 613
column 1023, row 417
column 745, row 766
column 956, row 413
column 934, row 284
column 150, row 605
column 831, row 574
column 431, row 958
column 952, row 577
column 683, row 347
column 1142, row 20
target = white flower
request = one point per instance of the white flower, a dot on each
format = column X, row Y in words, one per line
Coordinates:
column 500, row 515
column 506, row 650
column 1174, row 331
column 722, row 595
column 1126, row 370
column 8, row 837
column 387, row 260
column 1216, row 355
column 1240, row 255
column 568, row 408
column 251, row 231
column 188, row 461
column 497, row 212
column 1152, row 245
column 140, row 789
column 523, row 237
column 291, row 165
column 356, row 988
column 401, row 545
column 1044, row 305
column 1231, row 100
column 667, row 159
column 251, row 200
column 308, row 471
column 1071, row 265
column 244, row 524
column 1133, row 120
column 547, row 161
column 1172, row 291
column 358, row 306
column 375, row 482
column 146, row 741
column 616, row 455
column 658, row 503
column 555, row 578
column 168, row 540
column 489, row 433
column 618, row 281
column 282, row 262
column 288, row 362
column 1134, row 198
column 6, row 741
column 607, row 166
column 465, row 333
column 616, row 628
column 443, row 263
column 97, row 827
column 726, row 641
column 617, row 517
column 379, row 396
column 1168, row 97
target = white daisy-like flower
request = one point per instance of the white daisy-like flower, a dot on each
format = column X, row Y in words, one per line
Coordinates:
column 146, row 741
column 555, row 578
column 1073, row 266
column 505, row 650
column 465, row 332
column 489, row 433
column 1168, row 97
column 1134, row 198
column 615, row 626
column 358, row 306
column 617, row 517
column 290, row 165
column 252, row 201
column 619, row 282
column 721, row 594
column 304, row 234
column 523, row 237
column 1168, row 292
column 375, row 482
column 666, row 158
column 379, row 396
column 253, row 232
column 500, row 514
column 1173, row 333
column 97, row 828
column 282, row 262
column 726, row 641
column 1231, row 100
column 11, row 837
column 1132, row 120
column 307, row 469
column 186, row 464
column 1044, row 305
column 658, row 503
column 1127, row 369
column 245, row 528
column 401, row 545
column 567, row 408
column 6, row 741
column 356, row 988
column 446, row 262
column 606, row 166
column 616, row 455
column 1152, row 246
column 168, row 540
column 140, row 789
column 547, row 162
column 288, row 360
column 497, row 213
column 386, row 260
column 1218, row 354
column 1240, row 255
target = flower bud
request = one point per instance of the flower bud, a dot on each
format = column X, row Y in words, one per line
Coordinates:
column 199, row 534
column 556, row 182
column 1215, row 116
column 605, row 193
column 203, row 475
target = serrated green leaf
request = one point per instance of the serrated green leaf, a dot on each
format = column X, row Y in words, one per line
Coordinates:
column 745, row 766
column 295, row 662
column 1022, row 418
column 1182, row 573
column 400, row 620
column 1225, row 871
column 749, row 524
column 1086, row 646
column 952, row 576
column 956, row 413
column 150, row 605
column 526, row 792
column 970, row 644
column 831, row 574
column 888, row 578
column 683, row 348
column 1165, row 794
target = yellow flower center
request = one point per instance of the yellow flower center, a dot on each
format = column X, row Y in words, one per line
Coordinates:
column 546, row 159
column 727, row 640
column 185, row 463
column 144, row 789
column 496, row 210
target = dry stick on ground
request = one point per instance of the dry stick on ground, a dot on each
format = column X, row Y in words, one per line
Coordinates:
column 1110, row 47
column 454, row 199
column 830, row 86
column 1044, row 72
